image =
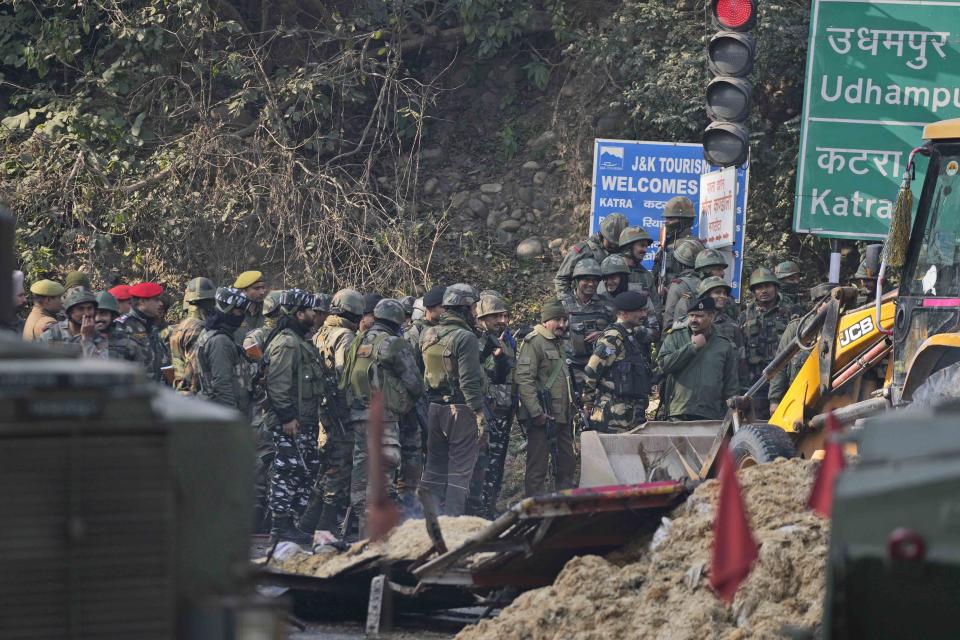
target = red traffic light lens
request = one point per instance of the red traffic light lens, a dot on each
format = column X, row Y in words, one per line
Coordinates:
column 734, row 14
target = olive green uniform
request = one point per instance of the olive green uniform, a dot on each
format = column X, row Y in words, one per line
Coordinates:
column 253, row 319
column 541, row 360
column 618, row 377
column 266, row 450
column 585, row 318
column 58, row 333
column 699, row 380
column 385, row 359
column 223, row 369
column 120, row 346
column 294, row 387
column 782, row 379
column 641, row 280
column 665, row 273
column 454, row 378
column 762, row 331
column 592, row 247
column 333, row 340
column 680, row 295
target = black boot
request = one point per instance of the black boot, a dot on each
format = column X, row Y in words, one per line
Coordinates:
column 286, row 530
column 328, row 519
column 311, row 517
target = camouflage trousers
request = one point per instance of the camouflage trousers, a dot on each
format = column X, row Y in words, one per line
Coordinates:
column 360, row 476
column 294, row 470
column 336, row 483
column 619, row 414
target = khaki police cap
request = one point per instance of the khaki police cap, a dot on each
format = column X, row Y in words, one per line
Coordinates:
column 47, row 288
column 248, row 279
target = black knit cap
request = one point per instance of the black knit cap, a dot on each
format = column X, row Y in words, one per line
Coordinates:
column 630, row 301
column 434, row 297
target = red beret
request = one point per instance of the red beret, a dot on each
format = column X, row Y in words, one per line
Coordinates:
column 146, row 290
column 121, row 292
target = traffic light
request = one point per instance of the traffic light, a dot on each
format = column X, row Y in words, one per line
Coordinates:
column 730, row 54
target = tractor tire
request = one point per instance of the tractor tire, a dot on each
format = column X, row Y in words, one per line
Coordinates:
column 759, row 444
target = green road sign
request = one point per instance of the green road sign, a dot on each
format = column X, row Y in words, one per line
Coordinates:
column 877, row 71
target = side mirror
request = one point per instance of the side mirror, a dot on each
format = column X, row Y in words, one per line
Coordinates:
column 871, row 259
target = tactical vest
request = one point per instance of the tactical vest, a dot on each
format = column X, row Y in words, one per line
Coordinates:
column 630, row 374
column 364, row 373
column 201, row 364
column 761, row 334
column 582, row 324
column 440, row 370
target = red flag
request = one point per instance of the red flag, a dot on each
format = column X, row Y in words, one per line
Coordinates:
column 821, row 494
column 734, row 549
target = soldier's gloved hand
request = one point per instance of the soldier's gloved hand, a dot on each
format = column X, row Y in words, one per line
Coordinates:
column 540, row 420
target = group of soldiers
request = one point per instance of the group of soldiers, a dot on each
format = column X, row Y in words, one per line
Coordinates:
column 451, row 373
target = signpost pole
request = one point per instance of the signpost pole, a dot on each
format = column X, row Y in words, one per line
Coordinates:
column 834, row 274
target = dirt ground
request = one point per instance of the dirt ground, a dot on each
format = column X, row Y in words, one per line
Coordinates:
column 659, row 588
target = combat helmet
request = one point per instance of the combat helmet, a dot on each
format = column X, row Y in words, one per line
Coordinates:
column 229, row 298
column 347, row 301
column 106, row 302
column 271, row 303
column 633, row 234
column 78, row 296
column 390, row 310
column 293, row 300
column 587, row 268
column 321, row 302
column 407, row 302
column 199, row 289
column 821, row 290
column 614, row 264
column 678, row 207
column 763, row 275
column 786, row 269
column 709, row 258
column 611, row 226
column 490, row 304
column 687, row 250
column 712, row 283
column 459, row 295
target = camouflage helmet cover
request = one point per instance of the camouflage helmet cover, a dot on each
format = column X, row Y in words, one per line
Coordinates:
column 633, row 234
column 347, row 301
column 614, row 264
column 390, row 310
column 678, row 207
column 77, row 296
column 687, row 250
column 762, row 276
column 106, row 301
column 612, row 225
column 712, row 283
column 490, row 304
column 199, row 289
column 459, row 295
column 271, row 303
column 786, row 269
column 710, row 258
column 321, row 302
column 587, row 268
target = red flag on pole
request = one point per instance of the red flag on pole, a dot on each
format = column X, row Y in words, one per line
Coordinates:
column 821, row 494
column 734, row 549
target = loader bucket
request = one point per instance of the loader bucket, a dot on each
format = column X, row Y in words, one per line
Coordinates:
column 656, row 451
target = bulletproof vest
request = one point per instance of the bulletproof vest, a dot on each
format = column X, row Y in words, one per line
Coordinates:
column 202, row 364
column 183, row 342
column 583, row 322
column 440, row 371
column 640, row 280
column 363, row 372
column 761, row 334
column 630, row 374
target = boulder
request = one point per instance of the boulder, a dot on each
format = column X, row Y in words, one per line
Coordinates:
column 529, row 248
column 477, row 206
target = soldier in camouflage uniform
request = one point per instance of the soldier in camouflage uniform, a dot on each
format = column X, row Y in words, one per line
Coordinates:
column 700, row 366
column 454, row 378
column 379, row 360
column 596, row 247
column 498, row 360
column 683, row 287
column 119, row 344
column 619, row 373
column 634, row 244
column 762, row 322
column 616, row 273
column 432, row 310
column 783, row 378
column 709, row 263
column 198, row 299
column 542, row 374
column 788, row 273
column 140, row 323
column 221, row 366
column 333, row 340
column 79, row 329
column 588, row 316
column 678, row 217
column 295, row 388
column 253, row 284
column 718, row 289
